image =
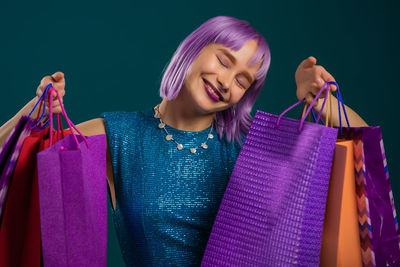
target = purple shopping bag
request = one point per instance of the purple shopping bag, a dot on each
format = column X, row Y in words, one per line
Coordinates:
column 9, row 153
column 273, row 209
column 73, row 204
column 379, row 239
column 272, row 212
column 72, row 197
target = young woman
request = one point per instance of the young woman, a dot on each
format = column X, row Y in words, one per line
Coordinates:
column 168, row 166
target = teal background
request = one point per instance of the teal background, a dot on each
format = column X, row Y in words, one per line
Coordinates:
column 113, row 55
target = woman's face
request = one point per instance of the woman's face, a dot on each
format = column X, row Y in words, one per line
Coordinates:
column 219, row 77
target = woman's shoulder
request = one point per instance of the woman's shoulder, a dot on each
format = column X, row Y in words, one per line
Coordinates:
column 121, row 121
column 121, row 118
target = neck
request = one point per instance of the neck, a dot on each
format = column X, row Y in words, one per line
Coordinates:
column 176, row 114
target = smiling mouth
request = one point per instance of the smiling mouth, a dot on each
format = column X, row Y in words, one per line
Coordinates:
column 212, row 92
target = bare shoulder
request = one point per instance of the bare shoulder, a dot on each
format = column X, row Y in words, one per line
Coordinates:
column 92, row 127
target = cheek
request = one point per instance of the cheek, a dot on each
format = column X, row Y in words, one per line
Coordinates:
column 208, row 64
column 236, row 95
column 201, row 67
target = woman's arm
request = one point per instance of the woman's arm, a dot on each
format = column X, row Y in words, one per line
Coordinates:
column 354, row 119
column 88, row 128
column 95, row 127
column 6, row 128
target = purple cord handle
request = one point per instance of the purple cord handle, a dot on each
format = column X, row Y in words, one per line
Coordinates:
column 340, row 102
column 70, row 124
column 326, row 86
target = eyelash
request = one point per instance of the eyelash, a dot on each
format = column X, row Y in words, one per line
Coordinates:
column 220, row 61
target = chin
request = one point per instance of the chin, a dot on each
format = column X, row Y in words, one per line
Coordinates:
column 210, row 109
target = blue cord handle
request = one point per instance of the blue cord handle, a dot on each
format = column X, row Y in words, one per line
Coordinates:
column 44, row 94
column 340, row 102
column 315, row 119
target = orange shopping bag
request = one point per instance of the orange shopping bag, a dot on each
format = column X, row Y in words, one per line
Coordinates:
column 341, row 238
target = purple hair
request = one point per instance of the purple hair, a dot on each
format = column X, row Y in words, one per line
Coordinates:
column 232, row 33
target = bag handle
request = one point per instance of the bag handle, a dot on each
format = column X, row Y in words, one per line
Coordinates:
column 319, row 118
column 41, row 100
column 70, row 124
column 324, row 87
column 340, row 102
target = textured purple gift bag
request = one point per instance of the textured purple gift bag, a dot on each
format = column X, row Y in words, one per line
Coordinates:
column 73, row 204
column 272, row 212
column 380, row 242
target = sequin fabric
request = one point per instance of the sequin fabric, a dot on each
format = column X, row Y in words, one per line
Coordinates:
column 166, row 199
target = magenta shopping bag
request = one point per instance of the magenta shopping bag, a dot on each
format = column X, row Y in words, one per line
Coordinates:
column 73, row 204
column 272, row 212
column 72, row 197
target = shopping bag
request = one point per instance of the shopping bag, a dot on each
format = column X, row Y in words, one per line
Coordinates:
column 20, row 229
column 73, row 204
column 9, row 144
column 20, row 239
column 378, row 226
column 340, row 238
column 273, row 208
column 72, row 189
column 9, row 153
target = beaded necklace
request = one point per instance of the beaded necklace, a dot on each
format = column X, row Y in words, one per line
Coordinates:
column 169, row 137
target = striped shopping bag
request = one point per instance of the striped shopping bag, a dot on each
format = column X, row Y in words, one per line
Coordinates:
column 378, row 226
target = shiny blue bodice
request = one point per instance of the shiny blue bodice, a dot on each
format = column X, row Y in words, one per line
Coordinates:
column 166, row 199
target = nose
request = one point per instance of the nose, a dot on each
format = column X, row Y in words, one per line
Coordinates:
column 224, row 83
column 222, row 89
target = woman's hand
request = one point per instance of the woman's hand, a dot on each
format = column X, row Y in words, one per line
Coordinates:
column 310, row 78
column 58, row 81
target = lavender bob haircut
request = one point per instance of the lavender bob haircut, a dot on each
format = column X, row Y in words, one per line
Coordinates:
column 232, row 33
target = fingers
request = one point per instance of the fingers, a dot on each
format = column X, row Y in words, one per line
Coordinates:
column 329, row 78
column 321, row 76
column 58, row 82
column 56, row 108
column 308, row 63
column 310, row 98
column 58, row 76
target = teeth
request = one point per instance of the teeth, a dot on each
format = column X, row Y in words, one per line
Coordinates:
column 212, row 91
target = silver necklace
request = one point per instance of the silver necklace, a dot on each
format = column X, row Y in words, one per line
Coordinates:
column 169, row 137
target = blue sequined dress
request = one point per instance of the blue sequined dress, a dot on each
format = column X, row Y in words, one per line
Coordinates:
column 166, row 199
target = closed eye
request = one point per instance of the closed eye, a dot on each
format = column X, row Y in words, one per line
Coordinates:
column 242, row 82
column 241, row 85
column 223, row 62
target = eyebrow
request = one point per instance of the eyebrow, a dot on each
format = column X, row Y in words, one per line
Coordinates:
column 233, row 59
